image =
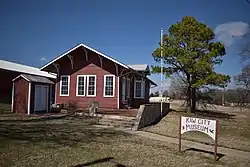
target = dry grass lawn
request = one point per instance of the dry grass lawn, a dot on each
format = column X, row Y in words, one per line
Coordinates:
column 234, row 128
column 72, row 141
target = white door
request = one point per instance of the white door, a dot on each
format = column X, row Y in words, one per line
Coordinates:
column 41, row 97
column 37, row 97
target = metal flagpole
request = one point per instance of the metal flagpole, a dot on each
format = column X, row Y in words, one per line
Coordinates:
column 161, row 68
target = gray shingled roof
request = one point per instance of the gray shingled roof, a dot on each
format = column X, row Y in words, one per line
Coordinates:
column 139, row 67
column 10, row 66
column 33, row 78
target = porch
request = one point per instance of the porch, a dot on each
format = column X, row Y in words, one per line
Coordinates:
column 133, row 92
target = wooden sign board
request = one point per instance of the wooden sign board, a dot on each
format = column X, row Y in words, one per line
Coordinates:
column 207, row 126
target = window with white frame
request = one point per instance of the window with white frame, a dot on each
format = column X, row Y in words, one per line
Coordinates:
column 80, row 87
column 64, row 85
column 91, row 85
column 139, row 89
column 109, row 85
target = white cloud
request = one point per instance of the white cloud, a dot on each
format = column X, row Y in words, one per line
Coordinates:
column 228, row 32
column 43, row 59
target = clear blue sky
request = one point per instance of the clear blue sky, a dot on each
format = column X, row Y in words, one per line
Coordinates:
column 126, row 30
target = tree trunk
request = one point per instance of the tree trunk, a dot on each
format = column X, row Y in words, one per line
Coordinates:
column 193, row 100
column 189, row 99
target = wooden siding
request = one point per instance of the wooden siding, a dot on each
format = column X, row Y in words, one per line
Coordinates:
column 83, row 67
column 6, row 86
column 93, row 66
column 21, row 96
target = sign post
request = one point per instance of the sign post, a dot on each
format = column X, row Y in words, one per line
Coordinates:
column 180, row 135
column 209, row 127
column 216, row 140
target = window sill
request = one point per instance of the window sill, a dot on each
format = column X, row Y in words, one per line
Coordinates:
column 91, row 95
column 64, row 95
column 80, row 95
column 108, row 96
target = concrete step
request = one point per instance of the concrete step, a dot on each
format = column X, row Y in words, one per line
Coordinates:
column 116, row 122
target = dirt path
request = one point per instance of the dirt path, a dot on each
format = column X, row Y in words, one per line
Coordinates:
column 190, row 144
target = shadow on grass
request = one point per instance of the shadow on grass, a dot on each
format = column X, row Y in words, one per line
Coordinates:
column 219, row 156
column 95, row 162
column 103, row 160
column 36, row 119
column 206, row 113
column 59, row 132
column 214, row 114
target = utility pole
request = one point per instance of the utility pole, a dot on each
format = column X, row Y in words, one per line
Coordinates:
column 161, row 69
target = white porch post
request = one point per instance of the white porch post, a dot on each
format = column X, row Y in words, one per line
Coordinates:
column 13, row 97
column 118, row 92
column 29, row 94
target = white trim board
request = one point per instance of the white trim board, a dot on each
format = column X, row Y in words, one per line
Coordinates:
column 22, row 77
column 118, row 92
column 29, row 94
column 13, row 95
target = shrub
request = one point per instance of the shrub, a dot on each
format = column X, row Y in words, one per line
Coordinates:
column 71, row 105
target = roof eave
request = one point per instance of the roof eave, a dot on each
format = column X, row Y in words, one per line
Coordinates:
column 19, row 77
column 85, row 46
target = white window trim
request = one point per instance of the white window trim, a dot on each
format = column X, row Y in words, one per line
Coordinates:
column 61, row 85
column 88, row 85
column 104, row 85
column 84, row 80
column 142, row 89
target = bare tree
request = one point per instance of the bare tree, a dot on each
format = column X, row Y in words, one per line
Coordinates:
column 242, row 81
column 178, row 87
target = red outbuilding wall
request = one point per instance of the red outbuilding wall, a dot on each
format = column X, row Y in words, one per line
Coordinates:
column 21, row 91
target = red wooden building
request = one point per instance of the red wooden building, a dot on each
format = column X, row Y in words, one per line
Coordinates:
column 9, row 71
column 85, row 74
column 31, row 94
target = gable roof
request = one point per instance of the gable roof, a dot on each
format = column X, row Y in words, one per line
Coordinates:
column 10, row 66
column 85, row 46
column 139, row 67
column 95, row 51
column 33, row 78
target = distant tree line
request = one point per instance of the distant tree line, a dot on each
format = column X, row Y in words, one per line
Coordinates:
column 239, row 95
column 157, row 94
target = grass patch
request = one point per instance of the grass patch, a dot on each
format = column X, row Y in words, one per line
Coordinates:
column 72, row 141
column 234, row 129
